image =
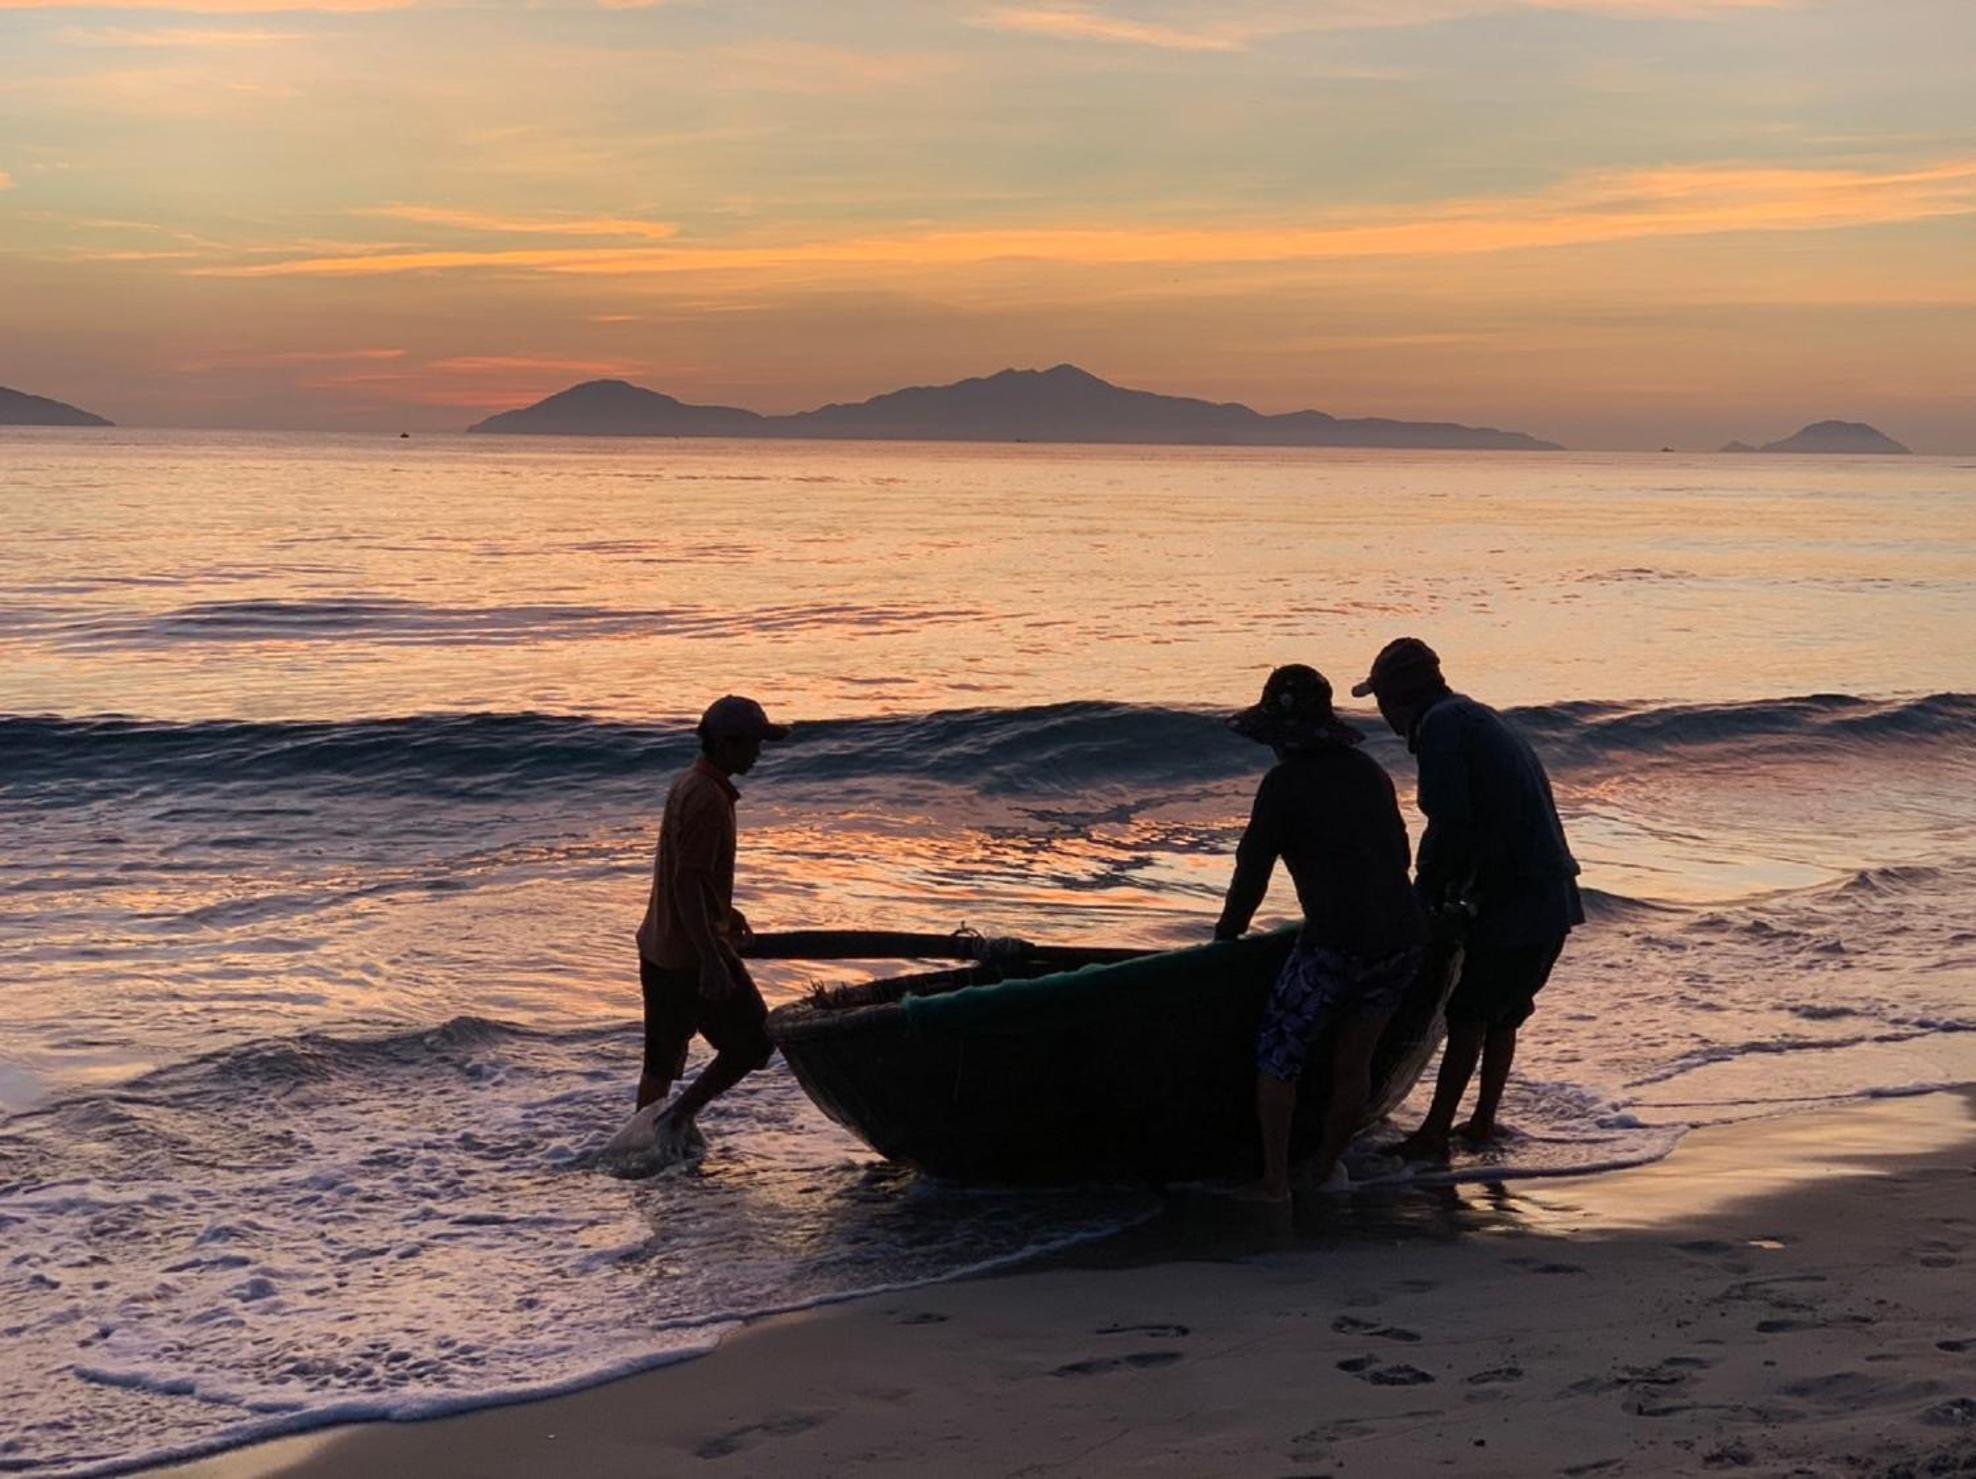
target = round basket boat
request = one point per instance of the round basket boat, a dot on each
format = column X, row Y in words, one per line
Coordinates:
column 1017, row 1071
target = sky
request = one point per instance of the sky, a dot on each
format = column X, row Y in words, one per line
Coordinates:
column 1613, row 223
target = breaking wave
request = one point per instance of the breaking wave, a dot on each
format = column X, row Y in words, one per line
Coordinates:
column 1044, row 749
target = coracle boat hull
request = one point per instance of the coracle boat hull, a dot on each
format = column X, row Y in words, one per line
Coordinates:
column 1138, row 1071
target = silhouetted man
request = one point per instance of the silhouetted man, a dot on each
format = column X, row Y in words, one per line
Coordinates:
column 1493, row 845
column 1329, row 812
column 689, row 965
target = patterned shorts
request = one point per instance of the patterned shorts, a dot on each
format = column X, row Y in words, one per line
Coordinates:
column 1316, row 985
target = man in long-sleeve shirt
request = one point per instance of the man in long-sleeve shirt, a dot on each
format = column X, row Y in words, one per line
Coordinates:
column 1329, row 812
column 1494, row 846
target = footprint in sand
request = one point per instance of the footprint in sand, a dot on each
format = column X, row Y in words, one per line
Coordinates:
column 1369, row 1368
column 1137, row 1361
column 1353, row 1325
column 1785, row 1325
column 1399, row 1376
column 1853, row 1391
column 1730, row 1455
column 1158, row 1332
column 736, row 1439
column 1494, row 1375
column 1957, row 1347
column 923, row 1317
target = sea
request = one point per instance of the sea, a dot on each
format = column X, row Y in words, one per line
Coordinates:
column 331, row 767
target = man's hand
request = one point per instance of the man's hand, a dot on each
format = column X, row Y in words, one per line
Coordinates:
column 740, row 933
column 1225, row 929
column 717, row 981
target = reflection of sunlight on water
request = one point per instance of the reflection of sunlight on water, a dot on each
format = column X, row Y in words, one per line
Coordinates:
column 1715, row 1171
column 1085, row 573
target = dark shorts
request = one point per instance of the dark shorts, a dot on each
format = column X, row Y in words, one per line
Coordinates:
column 1317, row 985
column 1499, row 983
column 675, row 1010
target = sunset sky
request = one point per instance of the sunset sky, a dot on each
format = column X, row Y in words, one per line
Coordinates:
column 1616, row 223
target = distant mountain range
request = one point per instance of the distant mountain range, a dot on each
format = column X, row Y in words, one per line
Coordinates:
column 1064, row 404
column 18, row 408
column 1854, row 437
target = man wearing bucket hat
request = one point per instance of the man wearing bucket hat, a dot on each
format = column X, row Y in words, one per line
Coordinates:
column 689, row 966
column 1328, row 811
column 1495, row 848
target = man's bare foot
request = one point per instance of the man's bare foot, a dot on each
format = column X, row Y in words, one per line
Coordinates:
column 651, row 1140
column 1421, row 1146
column 678, row 1140
column 1480, row 1132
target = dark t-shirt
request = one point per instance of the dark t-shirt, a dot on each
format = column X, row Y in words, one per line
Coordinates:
column 1493, row 834
column 1331, row 815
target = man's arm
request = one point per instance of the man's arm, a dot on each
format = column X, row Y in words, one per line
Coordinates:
column 1255, row 860
column 702, row 918
column 1447, row 848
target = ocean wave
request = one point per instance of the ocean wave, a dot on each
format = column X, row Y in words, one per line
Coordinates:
column 1047, row 749
column 398, row 622
column 1593, row 730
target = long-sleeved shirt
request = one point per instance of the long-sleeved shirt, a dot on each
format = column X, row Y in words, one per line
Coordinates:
column 1493, row 834
column 1330, row 814
column 692, row 869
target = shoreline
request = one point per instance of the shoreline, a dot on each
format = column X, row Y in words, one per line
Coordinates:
column 1741, row 1305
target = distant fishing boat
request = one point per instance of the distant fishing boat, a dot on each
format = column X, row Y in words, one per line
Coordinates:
column 1123, row 1066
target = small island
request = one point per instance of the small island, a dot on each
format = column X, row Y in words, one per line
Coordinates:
column 1843, row 438
column 18, row 408
column 1063, row 404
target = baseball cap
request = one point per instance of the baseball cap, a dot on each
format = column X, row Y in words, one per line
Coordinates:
column 1403, row 663
column 735, row 717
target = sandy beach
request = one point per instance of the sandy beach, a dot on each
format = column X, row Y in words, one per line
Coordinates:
column 1780, row 1297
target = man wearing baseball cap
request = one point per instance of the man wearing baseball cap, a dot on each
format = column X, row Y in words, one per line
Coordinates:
column 689, row 963
column 1494, row 847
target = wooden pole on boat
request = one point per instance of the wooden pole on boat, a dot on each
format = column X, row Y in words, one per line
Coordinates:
column 906, row 945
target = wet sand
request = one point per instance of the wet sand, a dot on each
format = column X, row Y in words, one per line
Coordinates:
column 1783, row 1297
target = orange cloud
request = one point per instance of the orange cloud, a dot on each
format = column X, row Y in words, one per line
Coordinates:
column 211, row 7
column 1234, row 32
column 126, row 36
column 496, row 225
column 465, row 382
column 1085, row 25
column 285, row 358
column 6, row 180
column 498, row 364
column 1588, row 209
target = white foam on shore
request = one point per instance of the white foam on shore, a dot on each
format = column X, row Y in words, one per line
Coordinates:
column 708, row 1333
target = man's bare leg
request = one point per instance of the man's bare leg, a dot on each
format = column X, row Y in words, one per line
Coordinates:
column 1276, row 1106
column 727, row 1070
column 1458, row 1059
column 1498, row 1053
column 1351, row 1082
